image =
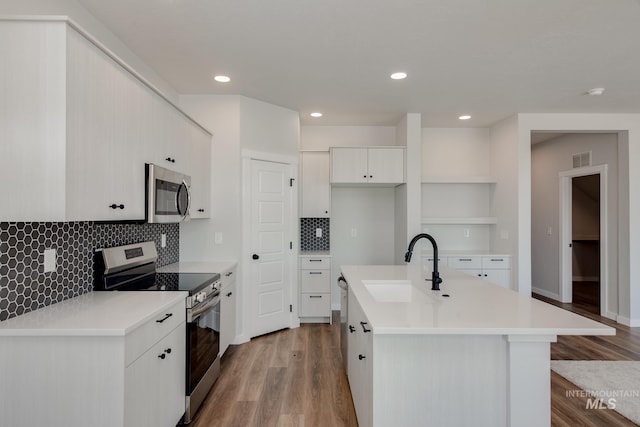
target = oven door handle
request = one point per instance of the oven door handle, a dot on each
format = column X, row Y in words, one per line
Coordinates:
column 194, row 313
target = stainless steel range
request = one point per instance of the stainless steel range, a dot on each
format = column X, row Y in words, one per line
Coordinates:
column 133, row 268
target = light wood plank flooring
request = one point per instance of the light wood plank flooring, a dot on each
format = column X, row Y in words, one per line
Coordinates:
column 292, row 378
column 295, row 378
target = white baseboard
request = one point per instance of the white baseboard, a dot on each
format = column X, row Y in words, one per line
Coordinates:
column 546, row 293
column 633, row 323
column 612, row 316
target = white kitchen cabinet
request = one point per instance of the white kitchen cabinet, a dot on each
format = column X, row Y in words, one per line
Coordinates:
column 228, row 303
column 151, row 383
column 78, row 125
column 360, row 364
column 372, row 165
column 493, row 268
column 103, row 359
column 197, row 148
column 315, row 289
column 315, row 191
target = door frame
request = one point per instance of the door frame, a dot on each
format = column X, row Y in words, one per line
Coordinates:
column 245, row 296
column 565, row 232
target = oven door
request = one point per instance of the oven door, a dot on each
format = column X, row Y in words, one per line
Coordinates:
column 203, row 348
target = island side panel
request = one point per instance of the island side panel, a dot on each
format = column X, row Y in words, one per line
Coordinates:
column 440, row 380
column 529, row 380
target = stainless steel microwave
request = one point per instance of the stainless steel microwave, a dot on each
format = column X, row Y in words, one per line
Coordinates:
column 168, row 195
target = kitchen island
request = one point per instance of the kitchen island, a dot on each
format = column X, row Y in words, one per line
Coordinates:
column 472, row 353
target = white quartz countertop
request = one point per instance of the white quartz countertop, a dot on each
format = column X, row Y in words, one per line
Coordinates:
column 198, row 267
column 473, row 306
column 108, row 313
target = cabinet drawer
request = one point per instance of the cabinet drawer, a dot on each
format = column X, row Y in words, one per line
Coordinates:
column 146, row 335
column 496, row 262
column 228, row 277
column 462, row 262
column 315, row 305
column 315, row 281
column 443, row 261
column 316, row 263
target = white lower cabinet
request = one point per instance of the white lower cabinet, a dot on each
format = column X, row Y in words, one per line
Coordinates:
column 360, row 363
column 315, row 288
column 493, row 268
column 153, row 396
column 227, row 309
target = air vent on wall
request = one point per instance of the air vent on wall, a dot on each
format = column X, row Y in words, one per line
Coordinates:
column 582, row 159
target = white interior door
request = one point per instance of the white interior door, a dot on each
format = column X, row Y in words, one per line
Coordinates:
column 270, row 239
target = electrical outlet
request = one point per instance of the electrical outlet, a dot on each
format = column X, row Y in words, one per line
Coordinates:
column 354, row 232
column 549, row 231
column 318, row 232
column 217, row 237
column 49, row 260
column 466, row 232
column 163, row 240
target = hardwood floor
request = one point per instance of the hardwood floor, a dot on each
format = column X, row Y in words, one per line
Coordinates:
column 625, row 345
column 295, row 377
column 291, row 378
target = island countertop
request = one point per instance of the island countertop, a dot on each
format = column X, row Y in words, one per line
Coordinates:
column 473, row 306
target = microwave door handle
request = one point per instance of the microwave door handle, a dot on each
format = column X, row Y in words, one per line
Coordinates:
column 184, row 212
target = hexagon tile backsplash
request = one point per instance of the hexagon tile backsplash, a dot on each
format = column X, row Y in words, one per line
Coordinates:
column 24, row 286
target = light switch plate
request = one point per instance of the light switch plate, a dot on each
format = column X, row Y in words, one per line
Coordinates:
column 163, row 240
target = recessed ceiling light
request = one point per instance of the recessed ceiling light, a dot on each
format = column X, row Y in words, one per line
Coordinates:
column 595, row 91
column 316, row 114
column 465, row 117
column 398, row 76
column 222, row 79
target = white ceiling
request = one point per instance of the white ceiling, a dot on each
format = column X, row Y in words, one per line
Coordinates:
column 487, row 58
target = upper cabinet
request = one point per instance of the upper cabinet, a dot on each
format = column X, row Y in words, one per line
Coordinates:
column 370, row 165
column 315, row 193
column 78, row 125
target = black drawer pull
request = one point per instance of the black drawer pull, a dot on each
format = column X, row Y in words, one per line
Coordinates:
column 229, row 294
column 114, row 206
column 166, row 316
column 200, row 210
column 360, row 356
column 315, row 296
column 162, row 356
column 465, row 259
column 352, row 329
column 315, row 260
column 169, row 159
column 497, row 259
column 168, row 351
column 364, row 328
column 229, row 274
column 315, row 272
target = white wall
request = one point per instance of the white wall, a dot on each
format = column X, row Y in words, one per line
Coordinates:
column 238, row 123
column 88, row 22
column 548, row 159
column 627, row 126
column 449, row 152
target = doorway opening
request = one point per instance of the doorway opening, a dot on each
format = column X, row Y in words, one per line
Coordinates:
column 583, row 259
column 585, row 241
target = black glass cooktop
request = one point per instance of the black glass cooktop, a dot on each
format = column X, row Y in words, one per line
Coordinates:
column 191, row 282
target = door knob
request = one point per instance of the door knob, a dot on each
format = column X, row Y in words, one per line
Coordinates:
column 255, row 256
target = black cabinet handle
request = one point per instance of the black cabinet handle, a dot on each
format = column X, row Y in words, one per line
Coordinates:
column 315, row 296
column 315, row 260
column 315, row 272
column 229, row 274
column 352, row 329
column 114, row 206
column 169, row 159
column 229, row 294
column 360, row 356
column 168, row 351
column 364, row 328
column 364, row 176
column 370, row 176
column 166, row 316
column 255, row 256
column 200, row 210
column 162, row 356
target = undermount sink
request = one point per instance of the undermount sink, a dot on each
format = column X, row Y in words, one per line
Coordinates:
column 390, row 290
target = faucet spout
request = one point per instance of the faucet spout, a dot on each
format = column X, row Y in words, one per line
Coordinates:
column 435, row 275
